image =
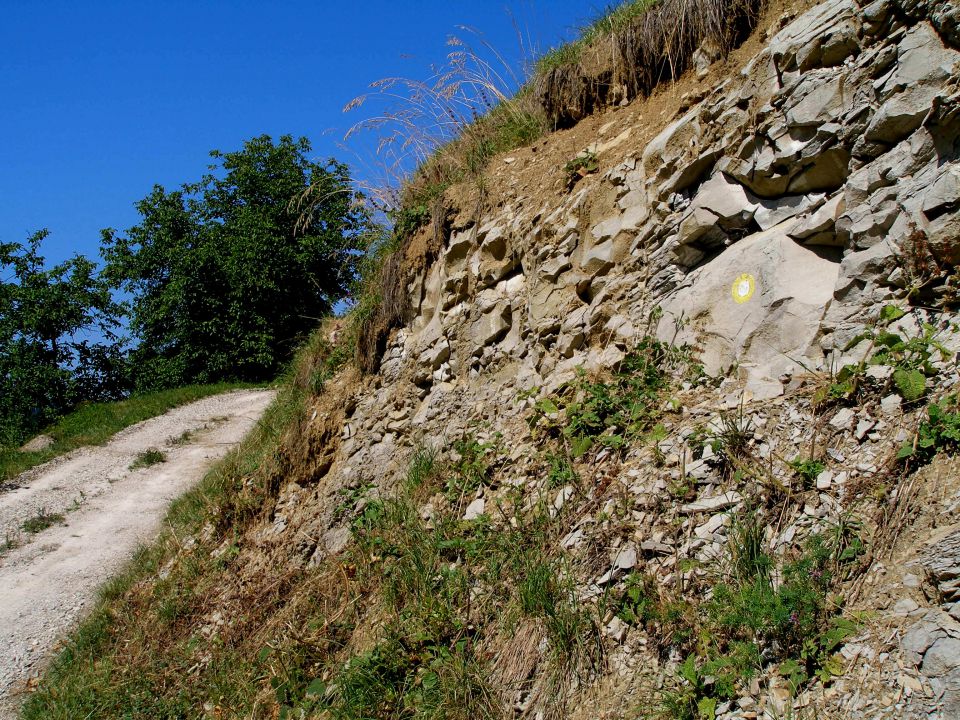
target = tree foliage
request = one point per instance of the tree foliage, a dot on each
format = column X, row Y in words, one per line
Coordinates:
column 227, row 274
column 57, row 344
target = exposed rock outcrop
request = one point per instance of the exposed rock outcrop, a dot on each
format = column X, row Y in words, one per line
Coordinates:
column 765, row 226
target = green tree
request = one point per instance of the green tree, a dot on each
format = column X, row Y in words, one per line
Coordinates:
column 228, row 274
column 57, row 344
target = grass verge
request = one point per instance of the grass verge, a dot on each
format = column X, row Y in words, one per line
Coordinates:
column 95, row 423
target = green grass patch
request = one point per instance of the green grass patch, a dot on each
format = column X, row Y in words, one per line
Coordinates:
column 761, row 610
column 41, row 521
column 148, row 458
column 95, row 423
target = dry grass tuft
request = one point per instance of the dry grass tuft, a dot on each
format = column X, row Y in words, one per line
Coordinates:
column 435, row 132
column 633, row 49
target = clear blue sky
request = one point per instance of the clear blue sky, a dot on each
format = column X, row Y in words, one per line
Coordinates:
column 102, row 99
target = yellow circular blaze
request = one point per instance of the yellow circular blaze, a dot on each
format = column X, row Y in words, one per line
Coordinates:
column 743, row 288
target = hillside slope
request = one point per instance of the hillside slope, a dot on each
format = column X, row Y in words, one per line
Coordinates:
column 658, row 440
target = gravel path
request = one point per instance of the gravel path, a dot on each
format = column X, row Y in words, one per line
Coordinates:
column 108, row 509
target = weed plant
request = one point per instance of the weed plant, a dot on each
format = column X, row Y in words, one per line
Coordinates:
column 611, row 412
column 148, row 458
column 910, row 360
column 940, row 432
column 807, row 469
column 447, row 582
column 41, row 521
column 760, row 611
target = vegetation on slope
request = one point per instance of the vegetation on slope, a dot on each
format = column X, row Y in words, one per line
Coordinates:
column 174, row 637
column 228, row 274
column 46, row 363
column 130, row 657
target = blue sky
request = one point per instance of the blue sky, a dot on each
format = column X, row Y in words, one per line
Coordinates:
column 103, row 99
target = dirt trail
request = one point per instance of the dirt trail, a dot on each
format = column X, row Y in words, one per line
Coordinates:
column 108, row 510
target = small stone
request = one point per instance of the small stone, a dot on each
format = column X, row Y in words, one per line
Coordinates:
column 627, row 557
column 911, row 581
column 909, row 683
column 843, row 419
column 718, row 502
column 863, row 427
column 836, row 455
column 824, row 480
column 890, row 405
column 475, row 509
column 942, row 657
column 616, row 629
column 905, row 606
column 712, row 525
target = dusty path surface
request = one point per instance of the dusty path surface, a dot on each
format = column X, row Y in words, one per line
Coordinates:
column 108, row 509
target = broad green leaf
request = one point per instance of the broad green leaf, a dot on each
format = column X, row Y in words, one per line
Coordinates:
column 905, row 452
column 707, row 708
column 889, row 313
column 580, row 445
column 317, row 688
column 547, row 406
column 911, row 384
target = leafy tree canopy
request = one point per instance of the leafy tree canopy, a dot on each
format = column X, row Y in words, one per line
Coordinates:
column 227, row 274
column 57, row 344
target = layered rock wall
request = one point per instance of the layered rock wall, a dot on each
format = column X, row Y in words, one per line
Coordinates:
column 765, row 225
column 826, row 170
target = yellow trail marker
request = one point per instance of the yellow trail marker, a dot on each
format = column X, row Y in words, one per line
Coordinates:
column 743, row 288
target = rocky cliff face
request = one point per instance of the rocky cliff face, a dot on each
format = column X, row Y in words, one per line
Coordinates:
column 764, row 226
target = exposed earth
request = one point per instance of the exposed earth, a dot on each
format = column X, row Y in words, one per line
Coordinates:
column 99, row 510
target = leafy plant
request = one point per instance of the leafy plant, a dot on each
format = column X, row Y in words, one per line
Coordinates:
column 909, row 357
column 612, row 412
column 473, row 468
column 561, row 472
column 940, row 432
column 759, row 611
column 582, row 165
column 808, row 469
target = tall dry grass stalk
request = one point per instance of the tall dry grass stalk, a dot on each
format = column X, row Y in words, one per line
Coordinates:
column 434, row 132
column 634, row 48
